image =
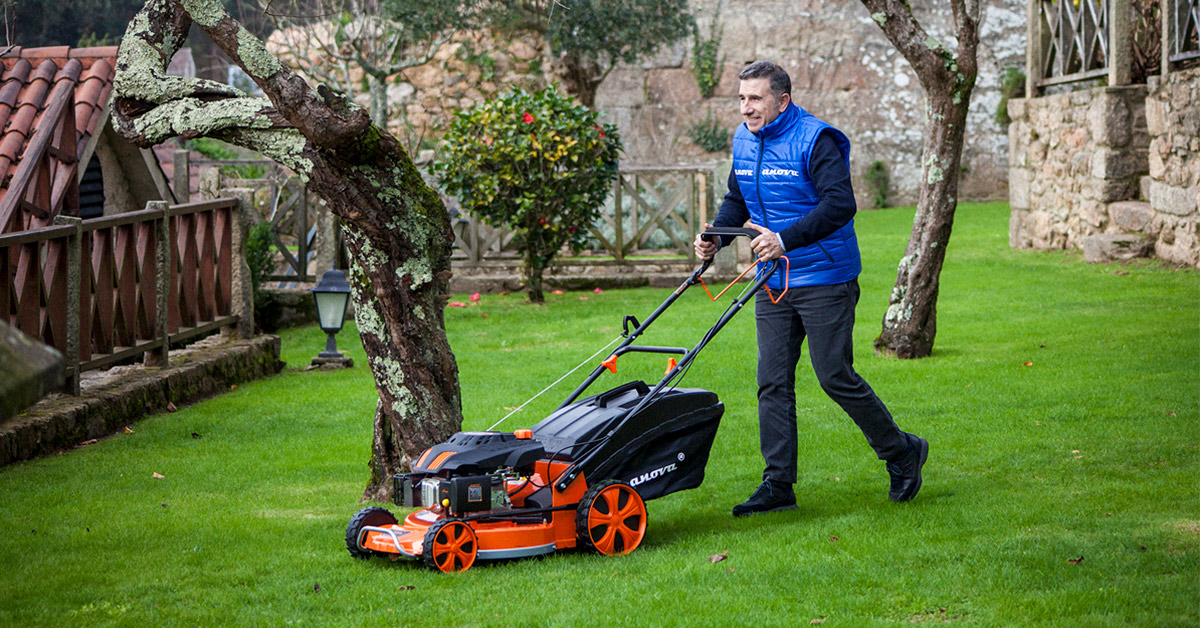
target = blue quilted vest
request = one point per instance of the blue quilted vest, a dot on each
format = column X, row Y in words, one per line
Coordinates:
column 772, row 173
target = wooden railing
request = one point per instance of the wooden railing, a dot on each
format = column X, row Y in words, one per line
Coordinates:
column 110, row 289
column 650, row 211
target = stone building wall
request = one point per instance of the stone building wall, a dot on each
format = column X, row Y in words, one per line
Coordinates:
column 843, row 69
column 1173, row 120
column 1118, row 162
column 1072, row 156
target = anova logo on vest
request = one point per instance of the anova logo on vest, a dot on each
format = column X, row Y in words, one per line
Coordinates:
column 784, row 172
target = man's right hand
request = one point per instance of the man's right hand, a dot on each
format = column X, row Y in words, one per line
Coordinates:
column 704, row 249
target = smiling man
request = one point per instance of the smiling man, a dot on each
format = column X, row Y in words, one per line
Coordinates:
column 791, row 181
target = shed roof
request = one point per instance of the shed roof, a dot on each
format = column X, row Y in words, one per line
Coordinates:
column 41, row 81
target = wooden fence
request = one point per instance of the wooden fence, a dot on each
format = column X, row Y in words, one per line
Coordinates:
column 114, row 288
column 651, row 211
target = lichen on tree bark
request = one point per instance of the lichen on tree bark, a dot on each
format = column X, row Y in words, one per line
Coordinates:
column 398, row 231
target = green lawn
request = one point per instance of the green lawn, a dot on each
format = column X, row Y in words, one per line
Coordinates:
column 1061, row 405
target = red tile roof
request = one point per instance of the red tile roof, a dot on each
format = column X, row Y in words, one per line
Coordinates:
column 30, row 85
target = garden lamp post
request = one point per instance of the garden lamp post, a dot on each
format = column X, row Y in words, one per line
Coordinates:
column 332, row 295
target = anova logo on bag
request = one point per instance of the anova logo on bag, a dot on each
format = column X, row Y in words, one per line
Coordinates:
column 652, row 475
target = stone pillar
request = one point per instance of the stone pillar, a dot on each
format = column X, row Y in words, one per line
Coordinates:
column 162, row 285
column 74, row 280
column 326, row 243
column 243, row 287
column 1120, row 43
column 183, row 177
column 1166, row 12
column 1034, row 46
column 210, row 183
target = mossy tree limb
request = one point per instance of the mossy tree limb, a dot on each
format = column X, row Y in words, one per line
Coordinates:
column 910, row 325
column 398, row 231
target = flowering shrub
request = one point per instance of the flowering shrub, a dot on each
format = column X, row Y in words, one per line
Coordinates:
column 536, row 163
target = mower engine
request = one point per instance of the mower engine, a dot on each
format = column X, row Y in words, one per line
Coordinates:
column 471, row 472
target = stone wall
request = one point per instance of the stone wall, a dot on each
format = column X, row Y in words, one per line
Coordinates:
column 843, row 69
column 1118, row 162
column 1173, row 120
column 1071, row 157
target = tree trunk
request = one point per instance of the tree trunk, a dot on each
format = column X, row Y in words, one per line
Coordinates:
column 377, row 89
column 910, row 324
column 534, row 269
column 397, row 229
column 580, row 78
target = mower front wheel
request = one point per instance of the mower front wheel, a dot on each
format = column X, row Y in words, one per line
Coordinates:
column 371, row 516
column 611, row 519
column 450, row 546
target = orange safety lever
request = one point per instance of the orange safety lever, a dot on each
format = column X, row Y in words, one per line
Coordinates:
column 670, row 365
column 610, row 363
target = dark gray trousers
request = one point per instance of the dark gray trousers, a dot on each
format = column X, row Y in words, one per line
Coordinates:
column 825, row 315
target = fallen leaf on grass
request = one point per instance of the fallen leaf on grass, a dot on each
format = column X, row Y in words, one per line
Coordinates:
column 583, row 298
column 316, row 588
column 816, row 621
column 1028, row 363
column 407, row 587
column 90, row 441
column 716, row 558
column 158, row 476
column 170, row 406
column 1075, row 561
column 127, row 430
column 833, row 539
column 195, row 435
column 730, row 570
column 483, row 316
column 233, row 387
column 1170, row 413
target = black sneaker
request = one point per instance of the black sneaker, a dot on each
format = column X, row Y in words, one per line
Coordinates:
column 906, row 470
column 769, row 497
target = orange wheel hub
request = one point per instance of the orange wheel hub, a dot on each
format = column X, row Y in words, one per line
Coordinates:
column 450, row 546
column 611, row 519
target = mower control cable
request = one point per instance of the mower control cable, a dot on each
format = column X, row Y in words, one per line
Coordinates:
column 555, row 383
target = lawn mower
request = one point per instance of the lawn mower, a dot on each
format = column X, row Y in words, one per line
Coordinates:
column 579, row 478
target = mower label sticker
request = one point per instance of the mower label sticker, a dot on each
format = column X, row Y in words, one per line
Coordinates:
column 652, row 475
column 475, row 493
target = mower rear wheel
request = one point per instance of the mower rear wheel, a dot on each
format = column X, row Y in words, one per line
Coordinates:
column 371, row 516
column 450, row 546
column 611, row 519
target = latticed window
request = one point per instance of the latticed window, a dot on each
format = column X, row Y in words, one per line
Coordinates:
column 1076, row 40
column 1185, row 43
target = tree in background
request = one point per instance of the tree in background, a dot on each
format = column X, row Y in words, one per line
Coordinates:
column 356, row 45
column 396, row 228
column 910, row 324
column 590, row 37
column 536, row 163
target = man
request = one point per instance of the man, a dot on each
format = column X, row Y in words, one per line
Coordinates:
column 791, row 180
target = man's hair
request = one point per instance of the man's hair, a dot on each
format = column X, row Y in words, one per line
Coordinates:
column 780, row 82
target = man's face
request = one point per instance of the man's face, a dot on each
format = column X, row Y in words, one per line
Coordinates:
column 759, row 105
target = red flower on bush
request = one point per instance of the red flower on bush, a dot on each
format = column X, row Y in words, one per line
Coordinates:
column 600, row 130
column 527, row 118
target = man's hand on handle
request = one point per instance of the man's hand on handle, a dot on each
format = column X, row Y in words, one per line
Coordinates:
column 766, row 246
column 704, row 249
